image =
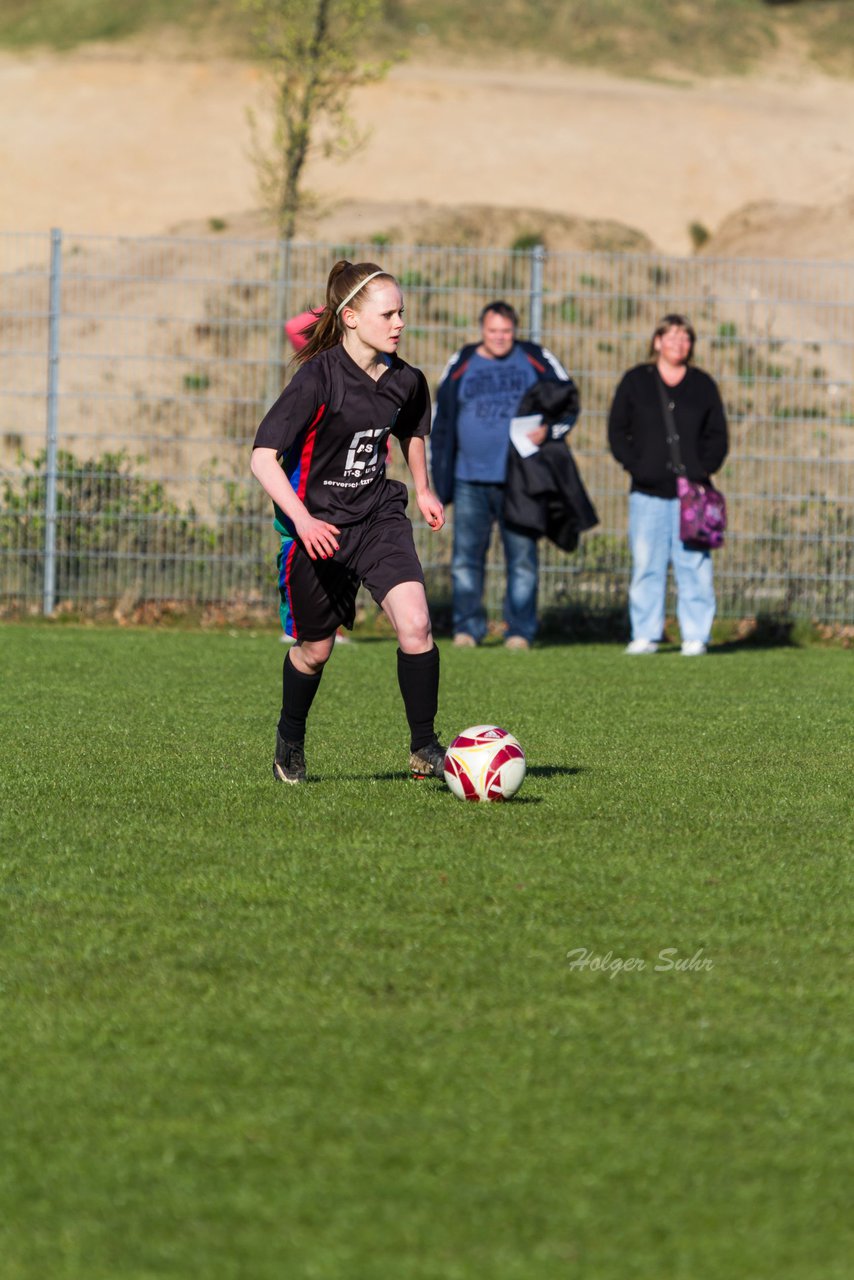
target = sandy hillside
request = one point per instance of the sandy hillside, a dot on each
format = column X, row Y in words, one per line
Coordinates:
column 114, row 142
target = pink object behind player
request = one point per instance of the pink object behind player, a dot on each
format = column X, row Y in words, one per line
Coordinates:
column 295, row 326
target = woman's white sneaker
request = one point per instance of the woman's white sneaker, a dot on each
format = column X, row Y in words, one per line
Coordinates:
column 693, row 649
column 642, row 646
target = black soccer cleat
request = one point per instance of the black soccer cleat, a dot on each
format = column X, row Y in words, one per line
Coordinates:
column 428, row 761
column 289, row 764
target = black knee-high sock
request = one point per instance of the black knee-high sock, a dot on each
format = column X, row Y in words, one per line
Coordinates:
column 298, row 692
column 418, row 677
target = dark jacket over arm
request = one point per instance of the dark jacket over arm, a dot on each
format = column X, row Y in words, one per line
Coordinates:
column 544, row 496
column 543, row 493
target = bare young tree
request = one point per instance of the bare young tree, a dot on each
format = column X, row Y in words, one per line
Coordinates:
column 313, row 52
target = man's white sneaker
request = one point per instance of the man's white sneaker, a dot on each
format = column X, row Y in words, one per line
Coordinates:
column 693, row 649
column 642, row 646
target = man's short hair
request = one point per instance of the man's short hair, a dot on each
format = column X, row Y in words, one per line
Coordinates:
column 502, row 309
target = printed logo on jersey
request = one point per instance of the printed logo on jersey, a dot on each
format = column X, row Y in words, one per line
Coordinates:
column 364, row 453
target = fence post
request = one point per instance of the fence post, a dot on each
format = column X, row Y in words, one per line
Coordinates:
column 535, row 321
column 55, row 298
column 281, row 295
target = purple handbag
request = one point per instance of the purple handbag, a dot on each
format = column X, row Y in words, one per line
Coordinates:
column 702, row 513
column 702, row 507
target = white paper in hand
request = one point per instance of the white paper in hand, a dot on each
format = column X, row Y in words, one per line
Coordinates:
column 519, row 428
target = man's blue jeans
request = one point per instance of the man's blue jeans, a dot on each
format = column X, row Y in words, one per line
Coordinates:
column 477, row 507
column 654, row 541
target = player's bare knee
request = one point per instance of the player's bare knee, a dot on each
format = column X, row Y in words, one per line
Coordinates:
column 416, row 634
column 311, row 656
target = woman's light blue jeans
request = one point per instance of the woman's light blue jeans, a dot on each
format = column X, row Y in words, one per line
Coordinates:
column 654, row 542
column 477, row 507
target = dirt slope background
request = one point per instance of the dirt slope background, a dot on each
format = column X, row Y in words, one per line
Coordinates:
column 116, row 141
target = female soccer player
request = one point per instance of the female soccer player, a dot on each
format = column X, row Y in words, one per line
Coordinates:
column 320, row 454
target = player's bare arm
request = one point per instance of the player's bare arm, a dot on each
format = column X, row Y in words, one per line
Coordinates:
column 319, row 538
column 415, row 453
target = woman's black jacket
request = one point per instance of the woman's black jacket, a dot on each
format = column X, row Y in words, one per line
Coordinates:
column 637, row 435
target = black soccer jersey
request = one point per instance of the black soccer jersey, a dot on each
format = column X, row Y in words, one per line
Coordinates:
column 330, row 427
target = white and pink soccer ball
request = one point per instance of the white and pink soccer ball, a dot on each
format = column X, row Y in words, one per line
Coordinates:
column 484, row 763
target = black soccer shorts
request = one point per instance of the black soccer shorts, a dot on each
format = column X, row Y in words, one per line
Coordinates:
column 319, row 596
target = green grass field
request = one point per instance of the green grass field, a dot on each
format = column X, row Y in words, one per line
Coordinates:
column 336, row 1033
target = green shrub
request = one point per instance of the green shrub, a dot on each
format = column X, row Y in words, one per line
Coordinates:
column 569, row 310
column 526, row 241
column 413, row 280
column 116, row 530
column 624, row 309
column 699, row 234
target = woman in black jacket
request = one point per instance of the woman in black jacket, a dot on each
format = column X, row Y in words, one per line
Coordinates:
column 637, row 435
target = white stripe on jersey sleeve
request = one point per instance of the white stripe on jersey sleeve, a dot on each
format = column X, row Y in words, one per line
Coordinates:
column 558, row 429
column 561, row 373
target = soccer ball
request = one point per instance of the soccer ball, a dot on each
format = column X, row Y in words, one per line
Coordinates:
column 484, row 763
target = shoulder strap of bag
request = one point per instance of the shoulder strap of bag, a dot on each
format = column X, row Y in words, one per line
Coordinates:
column 670, row 425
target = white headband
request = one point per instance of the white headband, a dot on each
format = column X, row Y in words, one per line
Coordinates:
column 359, row 286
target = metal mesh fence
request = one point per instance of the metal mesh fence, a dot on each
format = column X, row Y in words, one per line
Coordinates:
column 134, row 373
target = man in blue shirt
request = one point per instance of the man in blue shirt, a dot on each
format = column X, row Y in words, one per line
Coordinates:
column 478, row 395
